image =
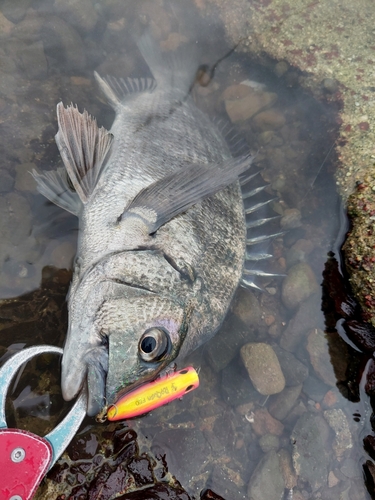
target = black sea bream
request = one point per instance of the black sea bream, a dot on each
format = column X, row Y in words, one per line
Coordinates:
column 162, row 230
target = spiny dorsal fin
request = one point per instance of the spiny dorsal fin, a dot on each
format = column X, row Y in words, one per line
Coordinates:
column 177, row 192
column 83, row 147
column 54, row 186
column 117, row 90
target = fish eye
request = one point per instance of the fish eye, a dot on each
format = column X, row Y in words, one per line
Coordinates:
column 153, row 344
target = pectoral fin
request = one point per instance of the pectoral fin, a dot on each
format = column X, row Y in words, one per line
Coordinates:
column 83, row 147
column 175, row 193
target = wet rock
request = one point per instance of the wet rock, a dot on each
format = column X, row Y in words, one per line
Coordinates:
column 222, row 435
column 246, row 307
column 227, row 482
column 271, row 119
column 303, row 321
column 299, row 284
column 331, row 85
column 291, row 218
column 181, row 448
column 350, row 468
column 24, row 179
column 317, row 347
column 236, row 388
column 267, row 480
column 281, row 404
column 62, row 45
column 79, row 13
column 294, row 371
column 299, row 252
column 62, row 255
column 337, row 420
column 285, row 460
column 7, row 180
column 15, row 221
column 225, row 344
column 263, row 368
column 314, row 388
column 269, row 442
column 332, row 480
column 6, row 26
column 263, row 423
column 34, row 62
column 15, row 11
column 310, row 458
column 244, row 108
column 281, row 68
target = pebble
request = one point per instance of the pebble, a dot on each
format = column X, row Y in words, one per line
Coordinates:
column 15, row 11
column 337, row 420
column 24, row 180
column 236, row 388
column 299, row 252
column 240, row 110
column 291, row 218
column 310, row 458
column 226, row 343
column 281, row 404
column 350, row 468
column 80, row 14
column 299, row 284
column 294, row 371
column 269, row 442
column 63, row 45
column 308, row 316
column 331, row 85
column 271, row 119
column 246, row 307
column 264, row 423
column 7, row 180
column 62, row 255
column 314, row 388
column 290, row 478
column 263, row 368
column 281, row 68
column 267, row 481
column 317, row 347
column 332, row 480
column 6, row 26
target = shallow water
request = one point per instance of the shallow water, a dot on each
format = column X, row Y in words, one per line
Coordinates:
column 224, row 436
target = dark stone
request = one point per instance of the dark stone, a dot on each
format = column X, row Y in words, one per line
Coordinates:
column 236, row 387
column 227, row 342
column 294, row 371
column 140, row 467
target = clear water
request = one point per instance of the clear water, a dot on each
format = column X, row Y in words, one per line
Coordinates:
column 213, row 437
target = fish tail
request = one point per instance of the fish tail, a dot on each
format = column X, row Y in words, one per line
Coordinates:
column 174, row 70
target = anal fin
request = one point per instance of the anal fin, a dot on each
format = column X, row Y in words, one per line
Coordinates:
column 54, row 186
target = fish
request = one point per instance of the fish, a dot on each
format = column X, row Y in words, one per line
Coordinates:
column 163, row 239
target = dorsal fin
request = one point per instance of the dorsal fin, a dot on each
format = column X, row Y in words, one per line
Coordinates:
column 83, row 147
column 117, row 90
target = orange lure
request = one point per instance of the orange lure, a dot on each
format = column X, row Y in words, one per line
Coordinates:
column 150, row 396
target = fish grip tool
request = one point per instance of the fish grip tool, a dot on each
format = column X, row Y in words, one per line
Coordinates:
column 25, row 458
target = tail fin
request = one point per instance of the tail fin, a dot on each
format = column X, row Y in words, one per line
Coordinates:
column 175, row 70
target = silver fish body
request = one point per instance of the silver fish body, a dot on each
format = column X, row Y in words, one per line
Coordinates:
column 162, row 241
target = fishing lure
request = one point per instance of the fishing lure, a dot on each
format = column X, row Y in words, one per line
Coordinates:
column 150, row 396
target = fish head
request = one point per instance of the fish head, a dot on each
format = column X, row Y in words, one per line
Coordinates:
column 121, row 335
column 144, row 341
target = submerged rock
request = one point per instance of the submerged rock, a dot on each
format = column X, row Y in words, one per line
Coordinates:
column 310, row 458
column 263, row 368
column 299, row 284
column 267, row 481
